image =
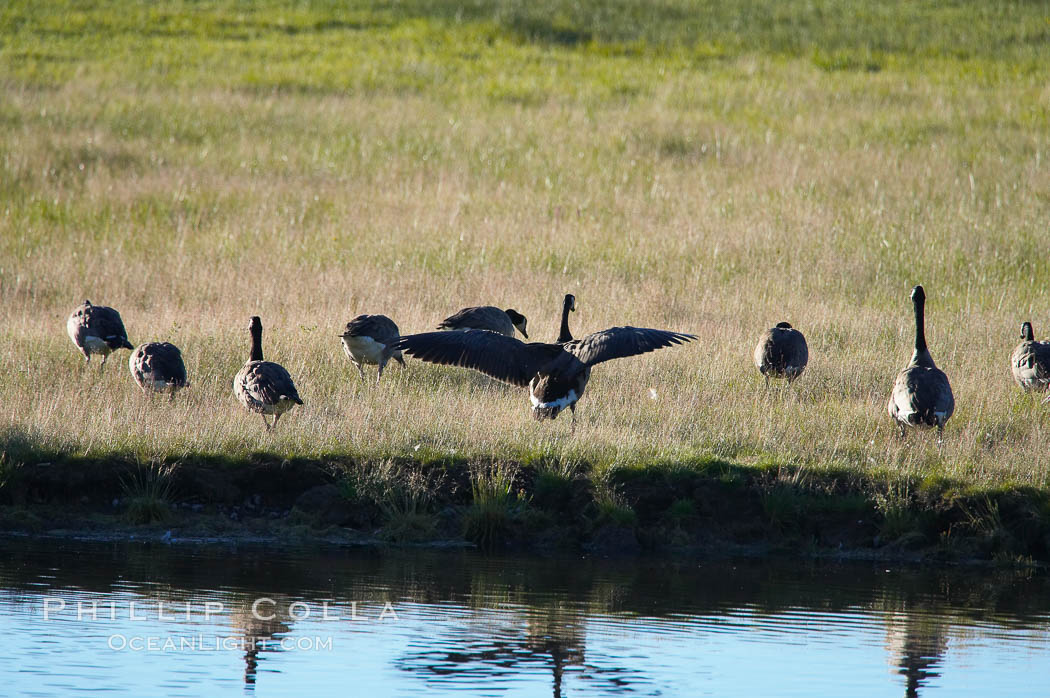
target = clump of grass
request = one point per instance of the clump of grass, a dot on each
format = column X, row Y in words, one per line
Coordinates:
column 610, row 507
column 983, row 518
column 552, row 488
column 900, row 521
column 782, row 493
column 681, row 511
column 148, row 493
column 8, row 471
column 489, row 521
column 403, row 496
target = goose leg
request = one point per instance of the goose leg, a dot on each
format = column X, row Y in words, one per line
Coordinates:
column 265, row 422
column 901, row 428
column 382, row 365
column 572, row 409
column 360, row 369
column 103, row 364
column 171, row 398
column 276, row 416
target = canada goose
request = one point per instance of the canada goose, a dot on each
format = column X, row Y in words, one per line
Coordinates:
column 97, row 329
column 555, row 374
column 569, row 306
column 486, row 317
column 922, row 396
column 1030, row 361
column 365, row 341
column 263, row 386
column 158, row 366
column 781, row 353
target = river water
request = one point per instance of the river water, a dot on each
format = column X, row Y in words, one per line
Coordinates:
column 126, row 619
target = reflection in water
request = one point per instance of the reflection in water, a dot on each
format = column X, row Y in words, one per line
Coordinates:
column 258, row 622
column 470, row 624
column 917, row 643
column 548, row 637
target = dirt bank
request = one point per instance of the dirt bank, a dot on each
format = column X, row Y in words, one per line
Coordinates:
column 670, row 508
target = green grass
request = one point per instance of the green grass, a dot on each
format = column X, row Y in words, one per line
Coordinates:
column 490, row 520
column 702, row 166
column 148, row 494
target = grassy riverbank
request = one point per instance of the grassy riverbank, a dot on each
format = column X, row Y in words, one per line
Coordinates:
column 701, row 506
column 705, row 167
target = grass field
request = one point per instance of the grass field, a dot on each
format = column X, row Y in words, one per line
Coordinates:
column 699, row 166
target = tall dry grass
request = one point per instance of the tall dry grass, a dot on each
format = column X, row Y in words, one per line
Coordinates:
column 718, row 201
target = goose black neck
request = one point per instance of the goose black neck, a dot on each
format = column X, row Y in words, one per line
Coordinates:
column 565, row 335
column 256, row 354
column 1026, row 332
column 920, row 325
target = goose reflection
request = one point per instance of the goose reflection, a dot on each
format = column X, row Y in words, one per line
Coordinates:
column 917, row 643
column 493, row 646
column 258, row 624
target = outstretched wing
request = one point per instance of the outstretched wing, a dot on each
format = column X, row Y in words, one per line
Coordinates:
column 619, row 342
column 503, row 358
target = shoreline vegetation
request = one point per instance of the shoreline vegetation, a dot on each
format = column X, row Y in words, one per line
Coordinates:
column 706, row 506
column 706, row 167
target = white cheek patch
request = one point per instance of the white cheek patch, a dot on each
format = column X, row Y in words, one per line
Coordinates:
column 560, row 403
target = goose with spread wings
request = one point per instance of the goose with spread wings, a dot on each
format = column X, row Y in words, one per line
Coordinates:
column 555, row 374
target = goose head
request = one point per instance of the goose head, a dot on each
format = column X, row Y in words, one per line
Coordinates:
column 518, row 320
column 1026, row 332
column 784, row 325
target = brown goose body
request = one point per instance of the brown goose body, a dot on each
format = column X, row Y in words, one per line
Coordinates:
column 1030, row 362
column 922, row 395
column 366, row 340
column 486, row 317
column 781, row 353
column 158, row 367
column 555, row 374
column 97, row 329
column 262, row 386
